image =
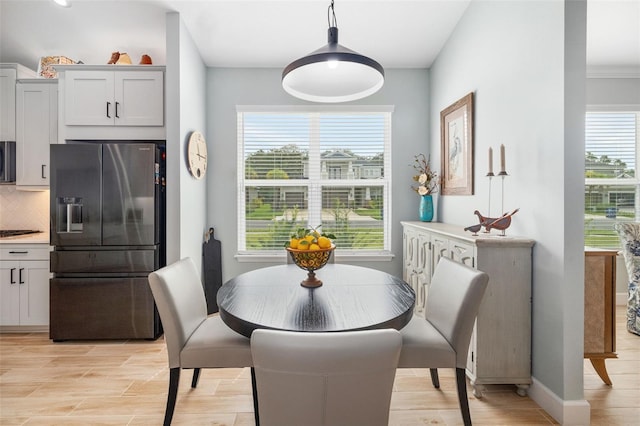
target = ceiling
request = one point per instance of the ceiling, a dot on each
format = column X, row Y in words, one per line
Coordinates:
column 271, row 33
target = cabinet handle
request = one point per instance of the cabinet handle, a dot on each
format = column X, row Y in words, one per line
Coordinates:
column 117, row 103
column 12, row 280
column 108, row 105
column 19, row 252
column 43, row 176
column 20, row 276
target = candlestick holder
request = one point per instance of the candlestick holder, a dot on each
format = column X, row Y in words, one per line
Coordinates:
column 503, row 174
column 490, row 175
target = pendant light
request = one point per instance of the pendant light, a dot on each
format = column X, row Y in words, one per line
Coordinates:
column 332, row 73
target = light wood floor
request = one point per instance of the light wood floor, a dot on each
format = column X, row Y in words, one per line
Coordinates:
column 125, row 383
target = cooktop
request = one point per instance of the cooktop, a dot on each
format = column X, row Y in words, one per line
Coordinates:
column 16, row 232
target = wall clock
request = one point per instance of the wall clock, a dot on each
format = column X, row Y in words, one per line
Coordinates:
column 197, row 155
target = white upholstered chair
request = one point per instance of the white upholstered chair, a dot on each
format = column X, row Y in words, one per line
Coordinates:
column 193, row 340
column 328, row 379
column 441, row 339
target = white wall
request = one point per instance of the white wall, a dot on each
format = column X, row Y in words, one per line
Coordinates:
column 407, row 90
column 525, row 63
column 186, row 105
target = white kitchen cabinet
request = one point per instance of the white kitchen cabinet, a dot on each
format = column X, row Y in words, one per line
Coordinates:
column 111, row 102
column 37, row 128
column 24, row 285
column 500, row 348
column 114, row 98
column 9, row 73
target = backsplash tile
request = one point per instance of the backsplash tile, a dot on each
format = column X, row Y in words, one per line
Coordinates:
column 23, row 209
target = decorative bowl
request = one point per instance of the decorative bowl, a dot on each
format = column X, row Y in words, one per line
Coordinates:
column 310, row 261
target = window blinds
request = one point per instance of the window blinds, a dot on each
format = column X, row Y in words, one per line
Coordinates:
column 325, row 169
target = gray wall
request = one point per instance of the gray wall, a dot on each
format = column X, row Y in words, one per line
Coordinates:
column 407, row 90
column 185, row 100
column 619, row 94
column 528, row 97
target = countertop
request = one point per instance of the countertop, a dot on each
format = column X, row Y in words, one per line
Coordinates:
column 39, row 238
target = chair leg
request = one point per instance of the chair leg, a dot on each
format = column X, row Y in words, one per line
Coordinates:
column 434, row 378
column 196, row 377
column 255, row 396
column 461, row 383
column 174, row 379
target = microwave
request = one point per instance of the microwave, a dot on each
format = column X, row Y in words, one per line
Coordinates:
column 7, row 162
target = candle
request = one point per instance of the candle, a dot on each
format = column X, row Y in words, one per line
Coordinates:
column 490, row 161
column 502, row 167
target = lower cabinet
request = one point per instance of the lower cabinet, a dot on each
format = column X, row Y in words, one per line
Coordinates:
column 24, row 285
column 500, row 348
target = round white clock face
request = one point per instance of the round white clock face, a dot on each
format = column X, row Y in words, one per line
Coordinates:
column 197, row 155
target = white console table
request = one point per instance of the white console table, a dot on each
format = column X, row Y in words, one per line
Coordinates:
column 500, row 349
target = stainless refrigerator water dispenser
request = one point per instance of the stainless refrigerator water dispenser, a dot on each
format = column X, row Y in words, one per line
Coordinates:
column 69, row 214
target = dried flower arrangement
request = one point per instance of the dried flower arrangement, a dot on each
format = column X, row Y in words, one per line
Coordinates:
column 426, row 178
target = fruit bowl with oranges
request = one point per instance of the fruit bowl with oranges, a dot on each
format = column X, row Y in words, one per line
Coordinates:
column 310, row 250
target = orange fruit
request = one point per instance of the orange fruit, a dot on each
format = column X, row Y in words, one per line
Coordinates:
column 309, row 238
column 314, row 246
column 293, row 243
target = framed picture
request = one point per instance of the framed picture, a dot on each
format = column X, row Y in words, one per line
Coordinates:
column 456, row 143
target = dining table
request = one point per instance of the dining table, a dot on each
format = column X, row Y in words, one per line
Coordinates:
column 350, row 298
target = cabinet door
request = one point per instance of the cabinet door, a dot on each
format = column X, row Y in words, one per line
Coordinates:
column 139, row 98
column 35, row 120
column 424, row 268
column 34, row 292
column 463, row 253
column 409, row 255
column 89, row 98
column 7, row 105
column 9, row 293
column 440, row 248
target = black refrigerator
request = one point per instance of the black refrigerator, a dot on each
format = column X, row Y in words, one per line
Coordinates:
column 107, row 221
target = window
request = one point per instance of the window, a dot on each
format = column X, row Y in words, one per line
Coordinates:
column 326, row 167
column 612, row 187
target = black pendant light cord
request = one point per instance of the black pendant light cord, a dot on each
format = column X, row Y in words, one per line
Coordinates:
column 331, row 13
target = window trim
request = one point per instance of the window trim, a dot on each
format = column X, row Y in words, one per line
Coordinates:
column 613, row 182
column 243, row 255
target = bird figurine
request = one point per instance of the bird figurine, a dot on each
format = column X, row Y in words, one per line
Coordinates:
column 474, row 229
column 484, row 220
column 501, row 223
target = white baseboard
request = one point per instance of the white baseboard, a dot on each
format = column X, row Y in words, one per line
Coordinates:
column 24, row 328
column 621, row 299
column 574, row 413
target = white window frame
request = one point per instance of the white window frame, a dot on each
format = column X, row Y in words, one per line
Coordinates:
column 635, row 181
column 244, row 255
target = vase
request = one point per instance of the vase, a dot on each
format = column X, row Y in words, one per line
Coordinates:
column 426, row 208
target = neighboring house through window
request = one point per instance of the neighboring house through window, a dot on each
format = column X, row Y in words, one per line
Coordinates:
column 612, row 185
column 325, row 167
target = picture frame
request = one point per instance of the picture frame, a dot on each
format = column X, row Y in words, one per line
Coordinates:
column 456, row 147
